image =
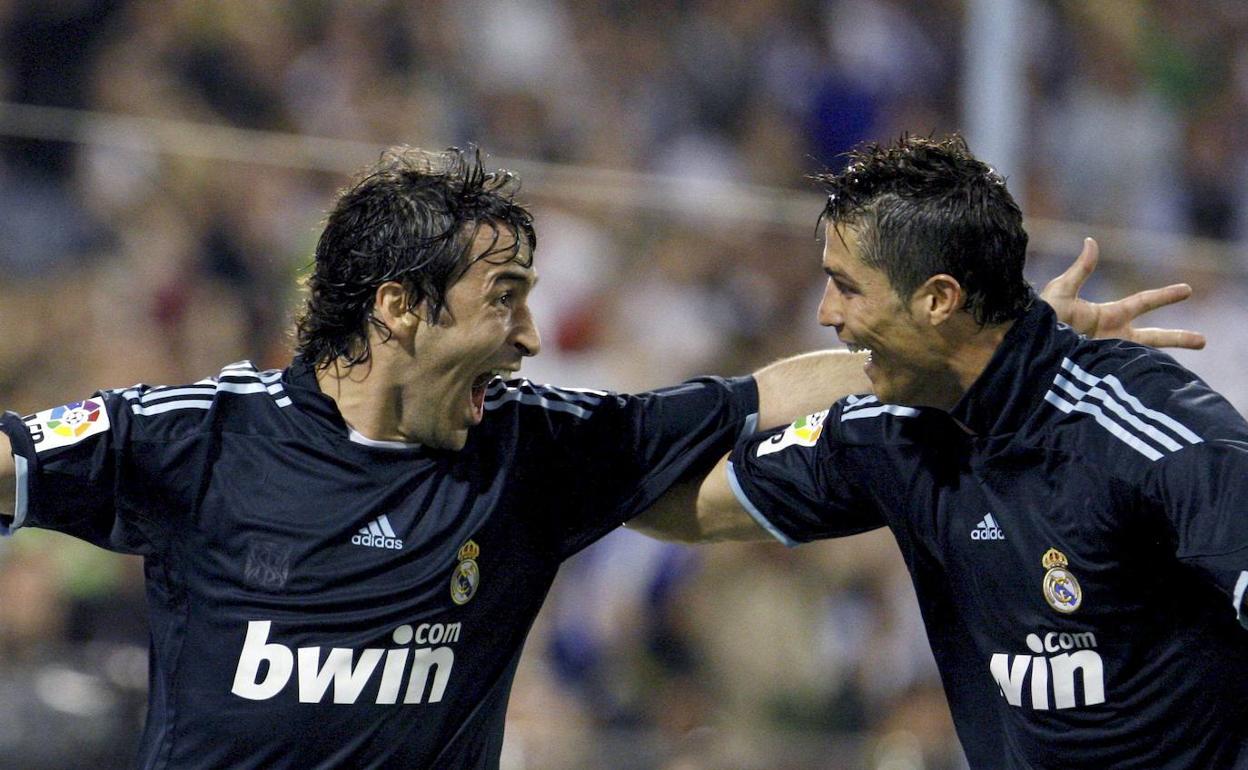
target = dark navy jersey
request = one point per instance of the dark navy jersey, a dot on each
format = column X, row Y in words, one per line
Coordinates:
column 316, row 602
column 1077, row 533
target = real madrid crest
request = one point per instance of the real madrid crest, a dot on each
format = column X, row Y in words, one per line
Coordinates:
column 467, row 575
column 1061, row 589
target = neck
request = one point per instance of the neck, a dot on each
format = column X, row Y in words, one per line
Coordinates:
column 969, row 351
column 366, row 398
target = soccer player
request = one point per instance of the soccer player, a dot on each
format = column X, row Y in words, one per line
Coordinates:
column 1073, row 512
column 343, row 558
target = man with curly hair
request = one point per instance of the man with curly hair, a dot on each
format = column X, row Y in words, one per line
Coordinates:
column 1072, row 511
column 344, row 558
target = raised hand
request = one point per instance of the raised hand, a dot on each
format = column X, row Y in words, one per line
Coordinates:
column 1115, row 319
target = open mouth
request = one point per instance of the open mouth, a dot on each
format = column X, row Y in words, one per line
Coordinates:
column 479, row 386
column 856, row 348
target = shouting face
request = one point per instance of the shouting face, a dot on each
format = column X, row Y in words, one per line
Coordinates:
column 903, row 363
column 484, row 331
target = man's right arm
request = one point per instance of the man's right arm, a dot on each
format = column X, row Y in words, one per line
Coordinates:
column 8, row 478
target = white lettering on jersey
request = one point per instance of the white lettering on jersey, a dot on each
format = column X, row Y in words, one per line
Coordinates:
column 67, row 425
column 804, row 432
column 1010, row 671
column 343, row 671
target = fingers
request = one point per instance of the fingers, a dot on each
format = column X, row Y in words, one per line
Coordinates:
column 1068, row 283
column 1169, row 338
column 1151, row 299
column 1085, row 263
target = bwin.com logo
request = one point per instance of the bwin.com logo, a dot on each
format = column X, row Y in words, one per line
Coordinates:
column 1076, row 668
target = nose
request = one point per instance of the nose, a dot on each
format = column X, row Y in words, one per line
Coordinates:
column 525, row 335
column 830, row 311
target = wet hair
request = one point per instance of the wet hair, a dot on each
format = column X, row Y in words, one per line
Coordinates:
column 412, row 218
column 926, row 206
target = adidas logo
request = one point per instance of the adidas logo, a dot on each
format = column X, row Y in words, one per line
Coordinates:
column 378, row 534
column 986, row 530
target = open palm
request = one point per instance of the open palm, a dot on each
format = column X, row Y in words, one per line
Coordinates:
column 1115, row 319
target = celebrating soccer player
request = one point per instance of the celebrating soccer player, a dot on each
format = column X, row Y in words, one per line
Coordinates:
column 1073, row 512
column 343, row 558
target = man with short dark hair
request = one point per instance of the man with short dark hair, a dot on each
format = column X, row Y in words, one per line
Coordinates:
column 343, row 558
column 1072, row 511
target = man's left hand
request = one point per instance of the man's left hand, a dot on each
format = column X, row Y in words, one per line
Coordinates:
column 1114, row 319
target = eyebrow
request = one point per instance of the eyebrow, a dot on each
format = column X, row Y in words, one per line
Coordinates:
column 515, row 275
column 838, row 275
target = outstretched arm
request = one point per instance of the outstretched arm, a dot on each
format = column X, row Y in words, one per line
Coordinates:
column 8, row 477
column 706, row 510
column 787, row 390
column 1114, row 319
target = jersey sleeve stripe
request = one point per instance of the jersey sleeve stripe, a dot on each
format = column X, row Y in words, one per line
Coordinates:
column 202, row 394
column 876, row 411
column 858, row 402
column 166, row 393
column 1121, row 412
column 534, row 400
column 169, row 406
column 23, row 492
column 753, row 510
column 1101, row 419
column 1241, row 586
column 1179, row 428
column 1115, row 384
column 248, row 387
column 586, row 398
column 241, row 367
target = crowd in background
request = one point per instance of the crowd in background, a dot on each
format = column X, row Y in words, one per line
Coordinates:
column 119, row 264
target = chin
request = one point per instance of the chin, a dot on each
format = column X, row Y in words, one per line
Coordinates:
column 455, row 441
column 452, row 441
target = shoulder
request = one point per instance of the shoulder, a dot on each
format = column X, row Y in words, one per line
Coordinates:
column 1131, row 407
column 865, row 420
column 169, row 411
column 1131, row 384
column 523, row 396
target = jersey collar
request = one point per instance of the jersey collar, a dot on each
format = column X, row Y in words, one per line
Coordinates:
column 300, row 381
column 305, row 390
column 1019, row 373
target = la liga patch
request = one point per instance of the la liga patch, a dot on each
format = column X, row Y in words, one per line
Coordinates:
column 804, row 432
column 67, row 425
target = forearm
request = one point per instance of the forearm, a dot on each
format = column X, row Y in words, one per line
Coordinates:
column 801, row 385
column 8, row 477
column 702, row 510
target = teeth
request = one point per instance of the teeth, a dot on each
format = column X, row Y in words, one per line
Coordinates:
column 486, row 377
column 854, row 348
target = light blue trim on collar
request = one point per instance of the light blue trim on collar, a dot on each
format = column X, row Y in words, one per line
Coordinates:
column 751, row 425
column 752, row 509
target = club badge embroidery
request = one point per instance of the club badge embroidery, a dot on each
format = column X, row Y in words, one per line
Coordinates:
column 467, row 575
column 1061, row 589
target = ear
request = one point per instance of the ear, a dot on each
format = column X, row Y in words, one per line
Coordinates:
column 390, row 307
column 938, row 299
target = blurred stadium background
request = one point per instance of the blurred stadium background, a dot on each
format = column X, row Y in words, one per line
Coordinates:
column 164, row 167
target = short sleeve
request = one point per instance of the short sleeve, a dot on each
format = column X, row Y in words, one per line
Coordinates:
column 615, row 455
column 1204, row 491
column 73, row 475
column 794, row 482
